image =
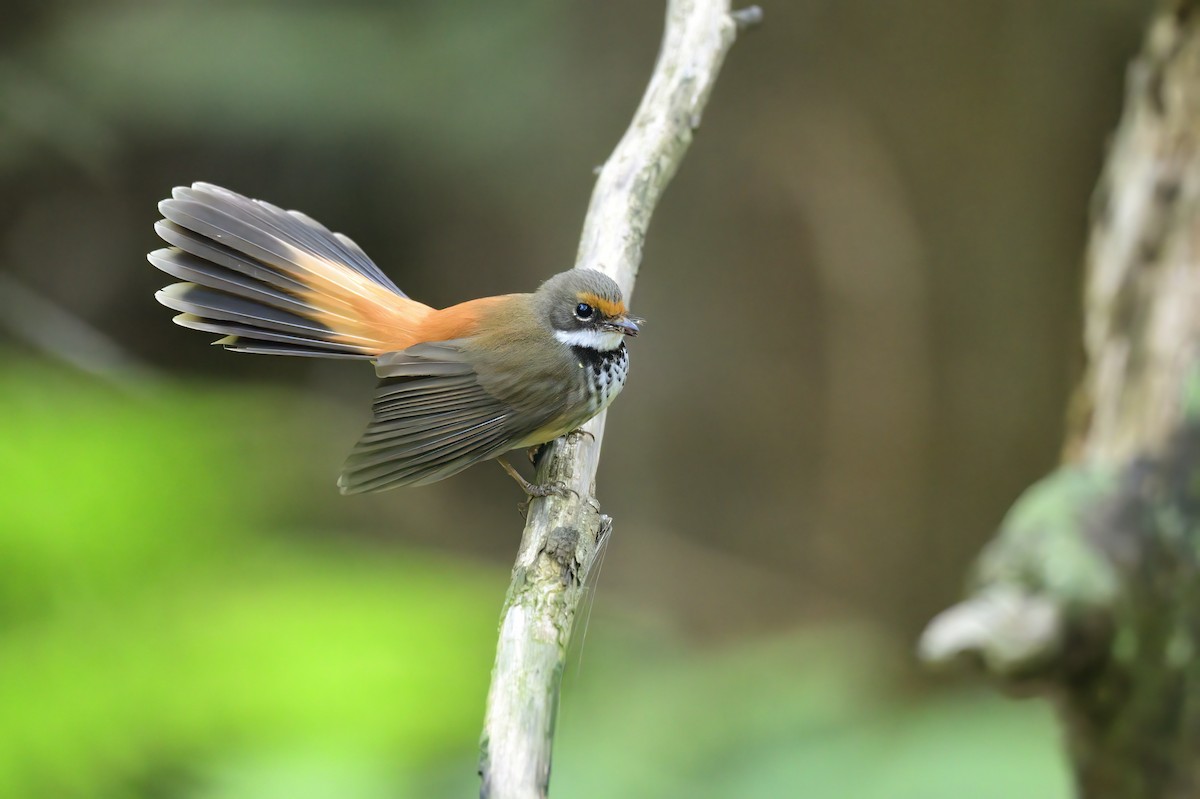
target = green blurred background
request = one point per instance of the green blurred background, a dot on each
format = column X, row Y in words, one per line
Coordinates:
column 863, row 300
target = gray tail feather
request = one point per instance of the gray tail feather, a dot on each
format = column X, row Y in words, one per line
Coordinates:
column 237, row 257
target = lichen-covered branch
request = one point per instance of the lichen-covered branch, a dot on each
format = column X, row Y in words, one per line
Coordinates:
column 563, row 533
column 1090, row 593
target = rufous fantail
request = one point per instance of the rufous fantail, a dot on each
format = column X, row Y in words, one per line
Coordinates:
column 458, row 385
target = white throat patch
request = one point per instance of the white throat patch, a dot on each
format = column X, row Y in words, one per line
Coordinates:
column 600, row 340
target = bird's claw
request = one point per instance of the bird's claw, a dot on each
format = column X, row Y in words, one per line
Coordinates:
column 535, row 491
column 557, row 488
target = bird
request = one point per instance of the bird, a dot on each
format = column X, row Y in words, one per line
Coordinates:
column 457, row 385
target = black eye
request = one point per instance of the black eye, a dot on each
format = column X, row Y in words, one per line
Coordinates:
column 584, row 311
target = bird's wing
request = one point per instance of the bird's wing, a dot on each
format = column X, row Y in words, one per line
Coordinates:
column 433, row 417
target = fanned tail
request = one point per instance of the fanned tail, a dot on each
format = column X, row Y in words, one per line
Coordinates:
column 276, row 282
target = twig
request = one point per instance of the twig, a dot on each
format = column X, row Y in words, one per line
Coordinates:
column 54, row 330
column 562, row 533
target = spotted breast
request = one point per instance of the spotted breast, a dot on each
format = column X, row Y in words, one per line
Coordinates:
column 605, row 373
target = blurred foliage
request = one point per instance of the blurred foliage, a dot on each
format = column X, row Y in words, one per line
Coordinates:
column 817, row 713
column 214, row 70
column 154, row 626
column 161, row 638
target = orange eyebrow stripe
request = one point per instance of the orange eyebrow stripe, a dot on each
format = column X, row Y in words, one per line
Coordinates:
column 606, row 307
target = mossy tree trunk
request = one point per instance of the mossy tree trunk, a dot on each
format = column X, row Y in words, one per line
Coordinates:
column 1090, row 593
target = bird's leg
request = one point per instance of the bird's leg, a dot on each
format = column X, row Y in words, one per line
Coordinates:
column 532, row 489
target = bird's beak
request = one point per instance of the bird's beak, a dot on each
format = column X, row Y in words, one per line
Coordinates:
column 626, row 325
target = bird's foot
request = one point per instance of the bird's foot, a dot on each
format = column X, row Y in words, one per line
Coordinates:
column 555, row 489
column 534, row 490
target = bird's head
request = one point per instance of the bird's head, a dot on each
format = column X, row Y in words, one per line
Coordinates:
column 585, row 308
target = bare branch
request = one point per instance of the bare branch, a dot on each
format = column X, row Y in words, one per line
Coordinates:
column 563, row 533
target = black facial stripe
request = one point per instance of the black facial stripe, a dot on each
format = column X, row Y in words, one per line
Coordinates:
column 598, row 359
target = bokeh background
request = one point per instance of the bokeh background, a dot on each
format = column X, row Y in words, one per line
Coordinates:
column 863, row 300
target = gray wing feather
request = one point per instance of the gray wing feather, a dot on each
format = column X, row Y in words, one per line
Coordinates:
column 432, row 419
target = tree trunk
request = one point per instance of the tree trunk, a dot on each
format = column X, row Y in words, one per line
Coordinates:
column 1090, row 593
